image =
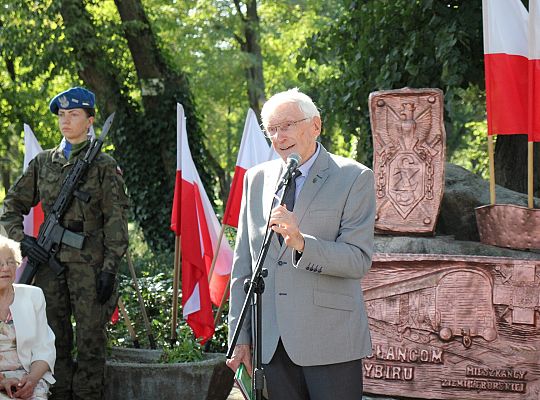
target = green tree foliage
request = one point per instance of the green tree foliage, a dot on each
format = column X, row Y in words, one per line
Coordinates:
column 110, row 48
column 198, row 37
column 202, row 37
column 389, row 44
column 24, row 43
column 337, row 51
column 473, row 157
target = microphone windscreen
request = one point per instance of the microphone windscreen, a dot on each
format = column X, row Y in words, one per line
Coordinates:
column 294, row 157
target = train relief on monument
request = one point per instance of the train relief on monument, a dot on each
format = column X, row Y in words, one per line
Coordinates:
column 409, row 154
column 453, row 327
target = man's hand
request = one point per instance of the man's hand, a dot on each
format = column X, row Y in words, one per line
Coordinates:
column 32, row 250
column 241, row 354
column 284, row 222
column 105, row 286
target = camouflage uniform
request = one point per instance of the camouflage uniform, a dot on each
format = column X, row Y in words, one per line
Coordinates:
column 103, row 222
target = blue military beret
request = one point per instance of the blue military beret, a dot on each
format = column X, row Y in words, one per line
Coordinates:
column 76, row 97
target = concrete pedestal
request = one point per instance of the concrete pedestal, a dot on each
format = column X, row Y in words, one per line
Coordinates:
column 134, row 374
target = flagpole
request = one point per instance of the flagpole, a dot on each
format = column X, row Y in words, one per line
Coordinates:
column 128, row 324
column 218, row 247
column 491, row 170
column 226, row 291
column 176, row 280
column 141, row 302
column 222, row 303
column 530, row 175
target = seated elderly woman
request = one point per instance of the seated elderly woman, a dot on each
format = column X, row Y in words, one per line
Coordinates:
column 27, row 351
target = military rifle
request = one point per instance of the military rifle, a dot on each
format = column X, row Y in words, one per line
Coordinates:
column 52, row 234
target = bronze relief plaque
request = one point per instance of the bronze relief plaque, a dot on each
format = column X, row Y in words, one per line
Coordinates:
column 508, row 225
column 457, row 327
column 409, row 143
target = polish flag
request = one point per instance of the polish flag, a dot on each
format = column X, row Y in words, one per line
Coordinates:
column 35, row 217
column 175, row 215
column 199, row 236
column 506, row 66
column 534, row 71
column 254, row 149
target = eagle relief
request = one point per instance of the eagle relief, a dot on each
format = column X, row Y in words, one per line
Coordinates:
column 408, row 158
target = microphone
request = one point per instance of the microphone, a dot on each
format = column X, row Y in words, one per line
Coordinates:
column 293, row 161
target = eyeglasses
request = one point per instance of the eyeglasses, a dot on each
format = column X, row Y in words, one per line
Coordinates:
column 8, row 263
column 272, row 131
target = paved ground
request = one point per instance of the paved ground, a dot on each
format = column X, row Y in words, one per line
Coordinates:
column 236, row 395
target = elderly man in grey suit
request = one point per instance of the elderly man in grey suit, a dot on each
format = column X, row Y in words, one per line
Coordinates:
column 314, row 319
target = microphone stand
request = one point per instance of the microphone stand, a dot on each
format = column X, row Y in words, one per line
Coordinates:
column 256, row 286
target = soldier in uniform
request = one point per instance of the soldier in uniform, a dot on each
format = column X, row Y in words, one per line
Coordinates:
column 87, row 290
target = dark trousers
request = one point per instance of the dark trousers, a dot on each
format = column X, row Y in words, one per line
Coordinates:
column 288, row 381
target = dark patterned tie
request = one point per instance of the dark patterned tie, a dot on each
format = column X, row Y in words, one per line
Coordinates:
column 288, row 200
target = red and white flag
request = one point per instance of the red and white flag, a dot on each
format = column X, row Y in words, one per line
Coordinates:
column 254, row 149
column 199, row 236
column 506, row 66
column 34, row 219
column 175, row 214
column 534, row 71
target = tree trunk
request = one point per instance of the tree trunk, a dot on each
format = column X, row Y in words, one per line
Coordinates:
column 150, row 66
column 153, row 73
column 145, row 140
column 158, row 82
column 249, row 45
column 511, row 163
column 6, row 167
column 6, row 181
column 97, row 72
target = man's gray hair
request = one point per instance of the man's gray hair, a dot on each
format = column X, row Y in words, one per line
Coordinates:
column 294, row 96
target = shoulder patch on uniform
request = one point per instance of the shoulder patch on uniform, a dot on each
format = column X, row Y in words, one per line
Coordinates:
column 119, row 171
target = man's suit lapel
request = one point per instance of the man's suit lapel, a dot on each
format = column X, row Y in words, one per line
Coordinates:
column 314, row 182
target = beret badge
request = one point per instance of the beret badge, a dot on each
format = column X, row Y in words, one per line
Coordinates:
column 64, row 102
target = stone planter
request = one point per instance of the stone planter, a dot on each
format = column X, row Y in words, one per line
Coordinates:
column 134, row 374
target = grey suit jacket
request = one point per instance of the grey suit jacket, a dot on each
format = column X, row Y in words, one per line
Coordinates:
column 314, row 303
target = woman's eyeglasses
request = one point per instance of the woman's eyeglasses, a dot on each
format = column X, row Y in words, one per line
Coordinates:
column 8, row 263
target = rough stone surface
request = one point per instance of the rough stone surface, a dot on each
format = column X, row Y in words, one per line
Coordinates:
column 445, row 245
column 133, row 374
column 464, row 191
